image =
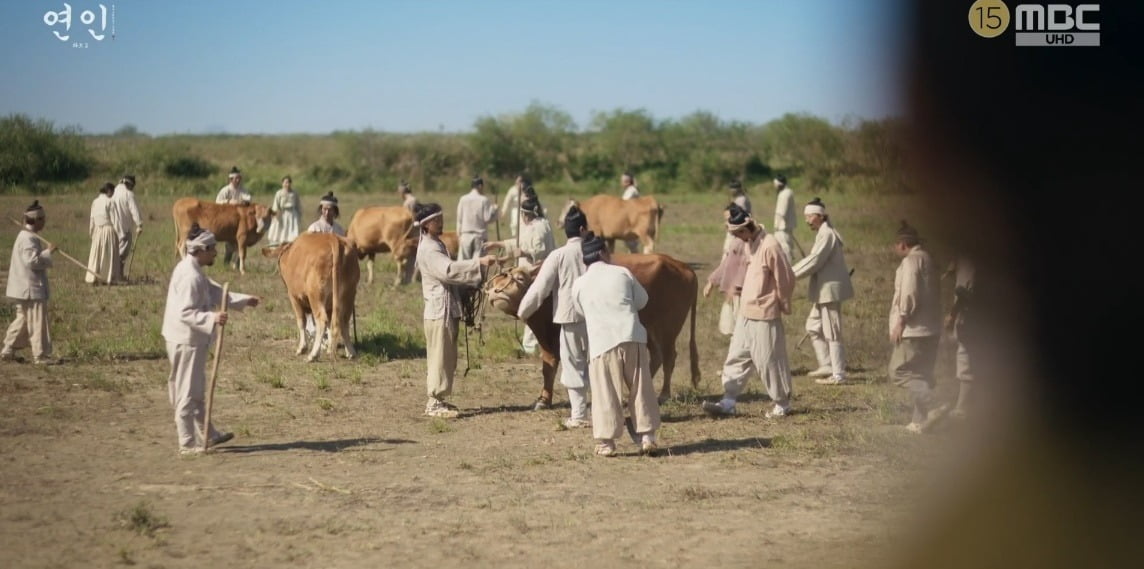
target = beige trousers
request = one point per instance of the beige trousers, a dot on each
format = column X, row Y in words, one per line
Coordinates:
column 624, row 367
column 440, row 356
column 30, row 328
column 186, row 390
column 824, row 323
column 470, row 246
column 911, row 366
column 728, row 314
column 758, row 345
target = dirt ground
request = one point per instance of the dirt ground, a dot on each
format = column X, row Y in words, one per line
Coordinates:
column 333, row 464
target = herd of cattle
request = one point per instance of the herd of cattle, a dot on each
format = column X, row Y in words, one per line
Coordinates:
column 321, row 271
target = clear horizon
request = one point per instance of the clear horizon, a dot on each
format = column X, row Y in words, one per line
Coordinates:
column 402, row 66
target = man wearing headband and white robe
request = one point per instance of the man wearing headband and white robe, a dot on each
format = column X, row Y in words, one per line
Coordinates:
column 440, row 277
column 475, row 211
column 327, row 212
column 784, row 217
column 189, row 325
column 28, row 287
column 758, row 343
column 235, row 194
column 125, row 218
column 609, row 299
column 829, row 286
column 555, row 279
column 536, row 243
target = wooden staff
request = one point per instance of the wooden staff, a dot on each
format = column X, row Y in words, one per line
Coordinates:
column 131, row 255
column 214, row 371
column 60, row 251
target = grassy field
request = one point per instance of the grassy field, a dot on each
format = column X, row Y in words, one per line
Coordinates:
column 333, row 465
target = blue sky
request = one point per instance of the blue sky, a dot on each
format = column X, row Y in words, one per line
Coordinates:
column 292, row 66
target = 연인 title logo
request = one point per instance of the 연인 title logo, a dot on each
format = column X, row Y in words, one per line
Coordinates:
column 96, row 20
column 1056, row 25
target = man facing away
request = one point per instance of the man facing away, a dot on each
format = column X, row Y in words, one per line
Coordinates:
column 784, row 217
column 608, row 297
column 555, row 279
column 125, row 218
column 474, row 213
column 758, row 342
column 829, row 286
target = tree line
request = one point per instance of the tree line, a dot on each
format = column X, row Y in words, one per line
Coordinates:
column 698, row 152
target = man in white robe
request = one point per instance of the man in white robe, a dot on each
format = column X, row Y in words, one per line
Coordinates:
column 328, row 212
column 829, row 287
column 631, row 192
column 475, row 211
column 235, row 194
column 555, row 279
column 190, row 321
column 512, row 198
column 125, row 217
column 915, row 328
column 28, row 287
column 103, row 257
column 608, row 297
column 440, row 275
column 785, row 218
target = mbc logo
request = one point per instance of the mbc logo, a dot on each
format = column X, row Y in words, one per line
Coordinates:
column 1038, row 24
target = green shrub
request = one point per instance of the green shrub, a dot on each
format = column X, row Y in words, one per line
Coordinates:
column 34, row 151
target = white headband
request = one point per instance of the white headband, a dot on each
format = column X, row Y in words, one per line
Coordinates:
column 34, row 214
column 813, row 208
column 204, row 240
column 328, row 202
column 428, row 217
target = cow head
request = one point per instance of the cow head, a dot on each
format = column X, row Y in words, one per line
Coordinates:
column 262, row 217
column 506, row 289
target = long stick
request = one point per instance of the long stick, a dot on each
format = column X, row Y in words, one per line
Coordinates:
column 214, row 371
column 131, row 256
column 58, row 250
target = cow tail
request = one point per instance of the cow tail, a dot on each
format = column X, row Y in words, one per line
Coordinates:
column 335, row 284
column 694, row 350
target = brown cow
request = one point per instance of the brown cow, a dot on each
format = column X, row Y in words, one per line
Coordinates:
column 614, row 218
column 321, row 273
column 672, row 290
column 381, row 229
column 239, row 225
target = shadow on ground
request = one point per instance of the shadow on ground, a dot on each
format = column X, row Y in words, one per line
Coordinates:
column 716, row 445
column 391, row 347
column 323, row 446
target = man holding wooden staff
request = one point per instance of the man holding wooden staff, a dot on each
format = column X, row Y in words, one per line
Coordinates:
column 28, row 287
column 189, row 323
